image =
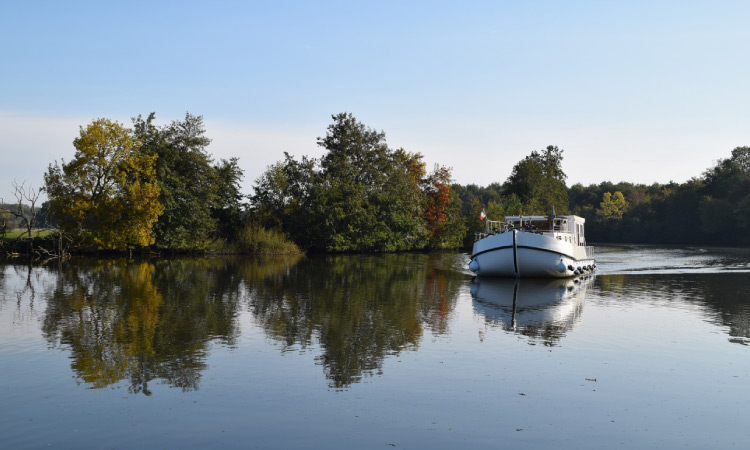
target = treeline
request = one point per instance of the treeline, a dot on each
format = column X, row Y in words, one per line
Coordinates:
column 157, row 187
column 11, row 217
column 713, row 208
column 363, row 196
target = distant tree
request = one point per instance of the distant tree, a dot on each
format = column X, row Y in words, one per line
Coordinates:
column 539, row 182
column 613, row 206
column 715, row 215
column 26, row 215
column 442, row 210
column 107, row 196
column 741, row 157
column 724, row 179
column 742, row 213
column 514, row 206
column 496, row 210
column 436, row 186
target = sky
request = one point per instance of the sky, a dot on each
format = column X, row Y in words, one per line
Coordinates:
column 638, row 91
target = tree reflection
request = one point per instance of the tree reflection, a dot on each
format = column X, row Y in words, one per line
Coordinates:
column 358, row 308
column 145, row 321
column 141, row 320
column 725, row 295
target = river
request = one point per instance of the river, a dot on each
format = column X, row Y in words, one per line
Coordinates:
column 403, row 351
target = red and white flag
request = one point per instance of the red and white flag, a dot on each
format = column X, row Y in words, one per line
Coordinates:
column 482, row 215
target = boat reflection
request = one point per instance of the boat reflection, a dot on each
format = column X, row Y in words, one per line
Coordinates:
column 543, row 310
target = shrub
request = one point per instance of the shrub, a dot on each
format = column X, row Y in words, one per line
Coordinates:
column 257, row 240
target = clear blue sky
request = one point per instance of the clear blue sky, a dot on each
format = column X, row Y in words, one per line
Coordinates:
column 640, row 91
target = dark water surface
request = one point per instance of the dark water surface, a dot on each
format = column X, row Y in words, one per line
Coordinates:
column 391, row 351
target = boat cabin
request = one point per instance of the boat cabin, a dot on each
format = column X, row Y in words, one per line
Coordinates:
column 565, row 228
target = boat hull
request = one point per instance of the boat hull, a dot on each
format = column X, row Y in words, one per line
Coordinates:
column 532, row 255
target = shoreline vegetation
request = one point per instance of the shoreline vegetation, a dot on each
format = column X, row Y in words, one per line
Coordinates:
column 156, row 190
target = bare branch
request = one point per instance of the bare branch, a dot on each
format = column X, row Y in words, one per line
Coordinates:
column 30, row 195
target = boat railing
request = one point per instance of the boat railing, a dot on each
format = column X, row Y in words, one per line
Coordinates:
column 499, row 226
column 589, row 251
column 492, row 227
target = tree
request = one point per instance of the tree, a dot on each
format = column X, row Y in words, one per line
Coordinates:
column 227, row 209
column 185, row 178
column 107, row 196
column 741, row 157
column 443, row 210
column 202, row 200
column 613, row 206
column 282, row 195
column 360, row 196
column 539, row 182
column 365, row 196
column 26, row 215
column 742, row 213
column 715, row 215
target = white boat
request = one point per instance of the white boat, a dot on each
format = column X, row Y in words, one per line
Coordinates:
column 532, row 246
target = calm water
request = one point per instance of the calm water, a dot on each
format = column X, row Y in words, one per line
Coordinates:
column 393, row 351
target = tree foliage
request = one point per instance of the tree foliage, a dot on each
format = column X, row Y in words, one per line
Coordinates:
column 442, row 210
column 613, row 206
column 539, row 182
column 360, row 195
column 202, row 200
column 107, row 196
column 711, row 209
column 158, row 185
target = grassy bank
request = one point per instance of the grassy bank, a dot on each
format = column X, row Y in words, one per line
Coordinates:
column 252, row 240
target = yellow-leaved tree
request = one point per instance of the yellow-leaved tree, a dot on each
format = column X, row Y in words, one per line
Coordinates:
column 613, row 206
column 107, row 196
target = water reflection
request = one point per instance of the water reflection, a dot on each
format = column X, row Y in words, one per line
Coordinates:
column 543, row 310
column 359, row 309
column 143, row 321
column 140, row 321
column 724, row 297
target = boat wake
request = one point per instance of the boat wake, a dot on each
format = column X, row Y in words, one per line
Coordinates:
column 670, row 260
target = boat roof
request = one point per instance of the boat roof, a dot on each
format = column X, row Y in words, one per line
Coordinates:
column 570, row 217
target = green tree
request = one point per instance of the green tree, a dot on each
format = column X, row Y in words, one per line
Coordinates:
column 742, row 213
column 715, row 215
column 514, row 206
column 539, row 182
column 202, row 200
column 107, row 196
column 360, row 195
column 724, row 179
column 282, row 196
column 228, row 208
column 184, row 174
